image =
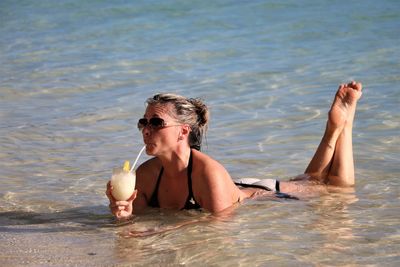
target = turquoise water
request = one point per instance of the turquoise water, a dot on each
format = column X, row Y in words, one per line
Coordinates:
column 73, row 80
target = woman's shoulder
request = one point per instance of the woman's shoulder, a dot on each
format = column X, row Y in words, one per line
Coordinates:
column 149, row 167
column 201, row 157
column 204, row 163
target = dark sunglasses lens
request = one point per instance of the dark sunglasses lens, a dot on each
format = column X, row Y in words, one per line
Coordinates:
column 156, row 123
column 142, row 123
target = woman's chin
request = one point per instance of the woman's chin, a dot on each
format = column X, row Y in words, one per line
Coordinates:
column 150, row 150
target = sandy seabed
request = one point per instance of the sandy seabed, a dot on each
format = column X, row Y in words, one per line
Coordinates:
column 39, row 245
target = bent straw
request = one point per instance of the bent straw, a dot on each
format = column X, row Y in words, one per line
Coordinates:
column 137, row 158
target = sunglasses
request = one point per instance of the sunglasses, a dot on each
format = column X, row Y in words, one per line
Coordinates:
column 153, row 123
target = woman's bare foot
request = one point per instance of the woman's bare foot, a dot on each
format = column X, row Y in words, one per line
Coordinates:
column 344, row 105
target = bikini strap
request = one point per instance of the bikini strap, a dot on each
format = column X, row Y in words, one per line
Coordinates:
column 154, row 197
column 189, row 174
column 190, row 201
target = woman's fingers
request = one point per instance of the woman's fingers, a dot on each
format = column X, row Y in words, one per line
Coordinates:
column 133, row 196
column 122, row 203
column 114, row 209
column 108, row 191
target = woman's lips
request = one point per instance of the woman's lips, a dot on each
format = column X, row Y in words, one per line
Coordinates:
column 147, row 143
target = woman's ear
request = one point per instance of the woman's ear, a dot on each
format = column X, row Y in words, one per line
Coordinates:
column 185, row 130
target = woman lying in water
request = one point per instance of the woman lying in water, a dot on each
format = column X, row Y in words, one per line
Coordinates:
column 179, row 176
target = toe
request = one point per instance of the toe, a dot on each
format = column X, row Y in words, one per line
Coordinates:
column 358, row 86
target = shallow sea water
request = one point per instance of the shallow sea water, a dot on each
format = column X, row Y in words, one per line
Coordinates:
column 73, row 81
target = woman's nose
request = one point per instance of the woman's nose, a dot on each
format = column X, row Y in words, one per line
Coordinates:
column 146, row 131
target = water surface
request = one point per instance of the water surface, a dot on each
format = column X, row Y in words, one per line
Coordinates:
column 73, row 81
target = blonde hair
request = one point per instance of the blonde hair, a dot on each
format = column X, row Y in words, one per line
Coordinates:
column 190, row 111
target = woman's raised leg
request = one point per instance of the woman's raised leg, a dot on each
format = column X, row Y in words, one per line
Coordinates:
column 332, row 162
column 341, row 172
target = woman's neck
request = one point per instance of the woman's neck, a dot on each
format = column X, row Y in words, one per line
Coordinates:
column 176, row 162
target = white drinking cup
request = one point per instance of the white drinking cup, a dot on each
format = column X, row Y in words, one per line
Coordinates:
column 123, row 182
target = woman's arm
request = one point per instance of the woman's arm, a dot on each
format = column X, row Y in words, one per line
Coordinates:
column 213, row 186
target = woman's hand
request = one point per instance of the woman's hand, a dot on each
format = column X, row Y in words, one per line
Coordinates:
column 120, row 209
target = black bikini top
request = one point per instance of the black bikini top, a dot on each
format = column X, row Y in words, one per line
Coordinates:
column 190, row 201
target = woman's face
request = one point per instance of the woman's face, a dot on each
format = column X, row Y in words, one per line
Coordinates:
column 160, row 140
